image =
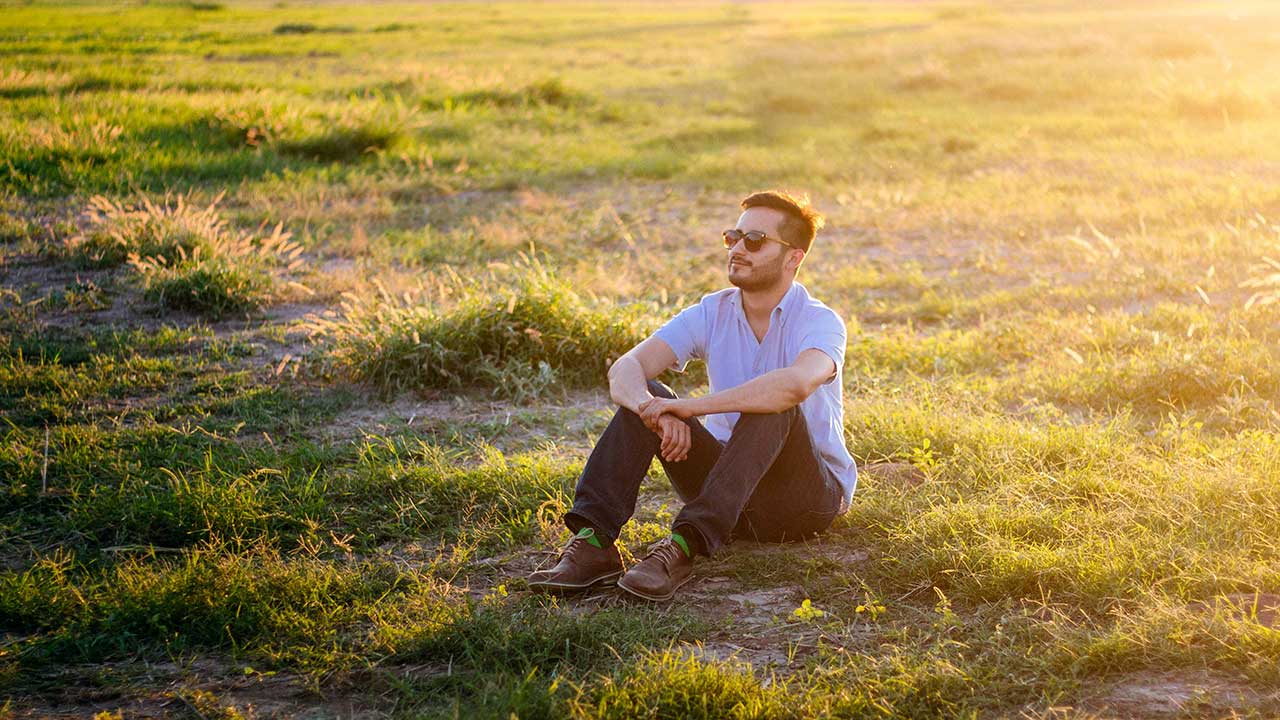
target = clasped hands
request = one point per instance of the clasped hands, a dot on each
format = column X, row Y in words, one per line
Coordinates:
column 666, row 418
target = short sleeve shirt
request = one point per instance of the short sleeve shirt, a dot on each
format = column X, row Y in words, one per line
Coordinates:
column 716, row 331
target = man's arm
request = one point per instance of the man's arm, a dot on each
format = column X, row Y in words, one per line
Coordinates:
column 770, row 393
column 629, row 378
column 630, row 374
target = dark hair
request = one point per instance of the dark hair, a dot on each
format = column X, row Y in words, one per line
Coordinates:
column 800, row 222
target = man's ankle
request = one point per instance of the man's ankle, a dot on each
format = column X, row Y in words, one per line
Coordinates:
column 594, row 538
column 689, row 540
column 578, row 524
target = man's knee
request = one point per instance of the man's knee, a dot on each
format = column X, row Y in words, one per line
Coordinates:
column 656, row 389
column 783, row 417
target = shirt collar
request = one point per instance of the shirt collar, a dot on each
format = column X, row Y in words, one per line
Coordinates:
column 786, row 306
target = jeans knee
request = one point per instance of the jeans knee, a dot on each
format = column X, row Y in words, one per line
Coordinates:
column 783, row 416
column 657, row 389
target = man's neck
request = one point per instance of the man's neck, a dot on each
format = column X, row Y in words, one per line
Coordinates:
column 758, row 304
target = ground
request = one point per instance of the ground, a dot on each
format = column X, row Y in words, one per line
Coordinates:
column 305, row 311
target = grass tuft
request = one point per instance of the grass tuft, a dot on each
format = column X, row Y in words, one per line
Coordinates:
column 187, row 256
column 357, row 131
column 551, row 92
column 676, row 685
column 259, row 604
column 147, row 229
column 308, row 28
column 343, row 144
column 520, row 332
column 16, row 229
column 1222, row 103
column 214, row 286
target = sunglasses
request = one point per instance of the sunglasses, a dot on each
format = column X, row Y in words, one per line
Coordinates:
column 753, row 239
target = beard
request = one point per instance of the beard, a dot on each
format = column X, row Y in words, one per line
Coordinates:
column 759, row 276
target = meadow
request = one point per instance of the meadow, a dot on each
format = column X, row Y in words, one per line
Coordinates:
column 306, row 309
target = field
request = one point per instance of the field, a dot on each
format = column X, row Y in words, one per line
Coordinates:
column 305, row 311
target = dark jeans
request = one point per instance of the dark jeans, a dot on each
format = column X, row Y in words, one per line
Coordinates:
column 765, row 484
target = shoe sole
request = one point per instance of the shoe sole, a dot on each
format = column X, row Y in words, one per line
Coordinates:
column 553, row 587
column 654, row 598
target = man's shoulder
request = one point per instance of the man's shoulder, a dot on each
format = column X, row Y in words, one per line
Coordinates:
column 813, row 312
column 712, row 301
column 706, row 309
column 720, row 296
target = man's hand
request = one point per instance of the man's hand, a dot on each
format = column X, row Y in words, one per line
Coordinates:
column 676, row 438
column 652, row 409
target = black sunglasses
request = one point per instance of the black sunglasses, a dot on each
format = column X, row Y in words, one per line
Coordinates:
column 753, row 239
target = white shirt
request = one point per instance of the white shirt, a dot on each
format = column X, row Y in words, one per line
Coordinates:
column 716, row 331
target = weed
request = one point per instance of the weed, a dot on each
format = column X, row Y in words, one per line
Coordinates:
column 147, row 229
column 294, row 29
column 14, row 228
column 259, row 604
column 1050, row 228
column 1265, row 284
column 1226, row 104
column 517, row 331
column 211, row 285
column 929, row 75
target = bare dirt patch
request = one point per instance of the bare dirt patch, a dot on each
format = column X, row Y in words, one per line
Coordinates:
column 902, row 476
column 1181, row 694
column 200, row 688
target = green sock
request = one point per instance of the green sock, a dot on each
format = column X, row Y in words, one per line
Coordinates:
column 678, row 539
column 590, row 535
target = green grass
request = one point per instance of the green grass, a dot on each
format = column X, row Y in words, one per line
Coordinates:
column 1052, row 234
column 523, row 332
column 187, row 257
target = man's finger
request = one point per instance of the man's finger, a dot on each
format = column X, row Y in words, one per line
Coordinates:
column 668, row 444
column 677, row 441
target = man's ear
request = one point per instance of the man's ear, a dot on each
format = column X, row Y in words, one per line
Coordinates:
column 794, row 258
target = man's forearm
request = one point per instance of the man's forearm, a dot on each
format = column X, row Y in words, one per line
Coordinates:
column 772, row 392
column 628, row 386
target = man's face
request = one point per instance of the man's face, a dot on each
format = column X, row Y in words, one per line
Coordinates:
column 764, row 268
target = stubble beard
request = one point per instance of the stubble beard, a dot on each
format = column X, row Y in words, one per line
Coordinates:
column 762, row 276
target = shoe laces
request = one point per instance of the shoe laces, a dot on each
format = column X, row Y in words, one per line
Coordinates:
column 667, row 551
column 575, row 544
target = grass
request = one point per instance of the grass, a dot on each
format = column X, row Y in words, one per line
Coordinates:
column 187, row 257
column 1051, row 234
column 523, row 331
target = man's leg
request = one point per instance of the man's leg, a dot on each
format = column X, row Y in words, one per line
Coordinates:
column 796, row 499
column 605, row 497
column 768, row 465
column 768, row 484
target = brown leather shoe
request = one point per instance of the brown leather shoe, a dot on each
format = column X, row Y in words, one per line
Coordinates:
column 660, row 574
column 580, row 566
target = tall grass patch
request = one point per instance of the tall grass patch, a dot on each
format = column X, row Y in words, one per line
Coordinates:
column 473, row 500
column 148, row 229
column 520, row 331
column 261, row 606
column 526, row 655
column 355, row 130
column 1094, row 516
column 187, row 256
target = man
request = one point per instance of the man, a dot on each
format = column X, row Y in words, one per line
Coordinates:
column 769, row 464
